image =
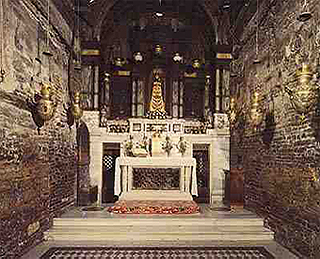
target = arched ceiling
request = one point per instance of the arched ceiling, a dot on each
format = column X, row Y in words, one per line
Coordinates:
column 101, row 11
column 98, row 15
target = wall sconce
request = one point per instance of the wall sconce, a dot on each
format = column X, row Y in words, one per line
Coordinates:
column 304, row 96
column 138, row 57
column 77, row 112
column 42, row 107
column 255, row 111
column 177, row 58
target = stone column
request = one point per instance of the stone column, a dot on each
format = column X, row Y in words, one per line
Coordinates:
column 206, row 96
column 175, row 99
column 96, row 164
column 226, row 90
column 134, row 97
column 96, row 88
column 107, row 93
column 182, row 178
column 130, row 178
column 188, row 177
column 217, row 104
column 181, row 100
column 124, row 171
column 140, row 99
column 220, row 162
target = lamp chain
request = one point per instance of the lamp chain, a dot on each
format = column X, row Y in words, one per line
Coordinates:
column 305, row 4
column 79, row 50
column 257, row 30
column 48, row 24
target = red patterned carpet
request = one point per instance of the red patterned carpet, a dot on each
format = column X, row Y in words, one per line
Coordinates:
column 154, row 207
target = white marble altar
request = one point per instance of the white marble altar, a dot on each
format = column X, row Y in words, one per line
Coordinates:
column 124, row 166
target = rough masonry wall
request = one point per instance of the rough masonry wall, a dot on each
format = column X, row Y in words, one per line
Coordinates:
column 37, row 171
column 281, row 154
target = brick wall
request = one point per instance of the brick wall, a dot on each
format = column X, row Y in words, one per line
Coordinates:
column 37, row 171
column 281, row 156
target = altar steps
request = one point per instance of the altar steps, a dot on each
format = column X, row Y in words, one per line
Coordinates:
column 159, row 229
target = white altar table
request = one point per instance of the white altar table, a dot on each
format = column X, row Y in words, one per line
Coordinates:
column 124, row 167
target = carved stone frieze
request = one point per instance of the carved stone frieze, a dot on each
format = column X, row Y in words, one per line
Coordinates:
column 118, row 126
column 221, row 121
column 91, row 119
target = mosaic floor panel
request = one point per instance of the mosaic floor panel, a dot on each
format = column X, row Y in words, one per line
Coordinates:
column 156, row 252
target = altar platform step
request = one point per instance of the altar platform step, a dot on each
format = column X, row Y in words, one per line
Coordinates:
column 167, row 195
column 116, row 228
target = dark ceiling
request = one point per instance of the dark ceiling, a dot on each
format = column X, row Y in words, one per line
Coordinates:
column 94, row 13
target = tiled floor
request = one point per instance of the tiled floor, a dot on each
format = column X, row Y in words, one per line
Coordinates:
column 148, row 253
column 271, row 246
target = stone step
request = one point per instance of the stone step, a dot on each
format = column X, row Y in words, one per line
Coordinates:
column 158, row 229
column 122, row 222
column 217, row 236
column 156, row 195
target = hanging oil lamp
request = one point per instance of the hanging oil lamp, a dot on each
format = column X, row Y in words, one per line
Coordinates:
column 303, row 97
column 177, row 57
column 158, row 49
column 42, row 107
column 255, row 111
column 232, row 114
column 45, row 106
column 138, row 57
column 119, row 62
column 196, row 63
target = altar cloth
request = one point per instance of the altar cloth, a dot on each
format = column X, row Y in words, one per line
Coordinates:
column 160, row 162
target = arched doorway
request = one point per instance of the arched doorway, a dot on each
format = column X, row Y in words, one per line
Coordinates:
column 86, row 194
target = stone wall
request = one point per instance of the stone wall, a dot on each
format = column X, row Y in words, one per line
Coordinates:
column 280, row 150
column 37, row 171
